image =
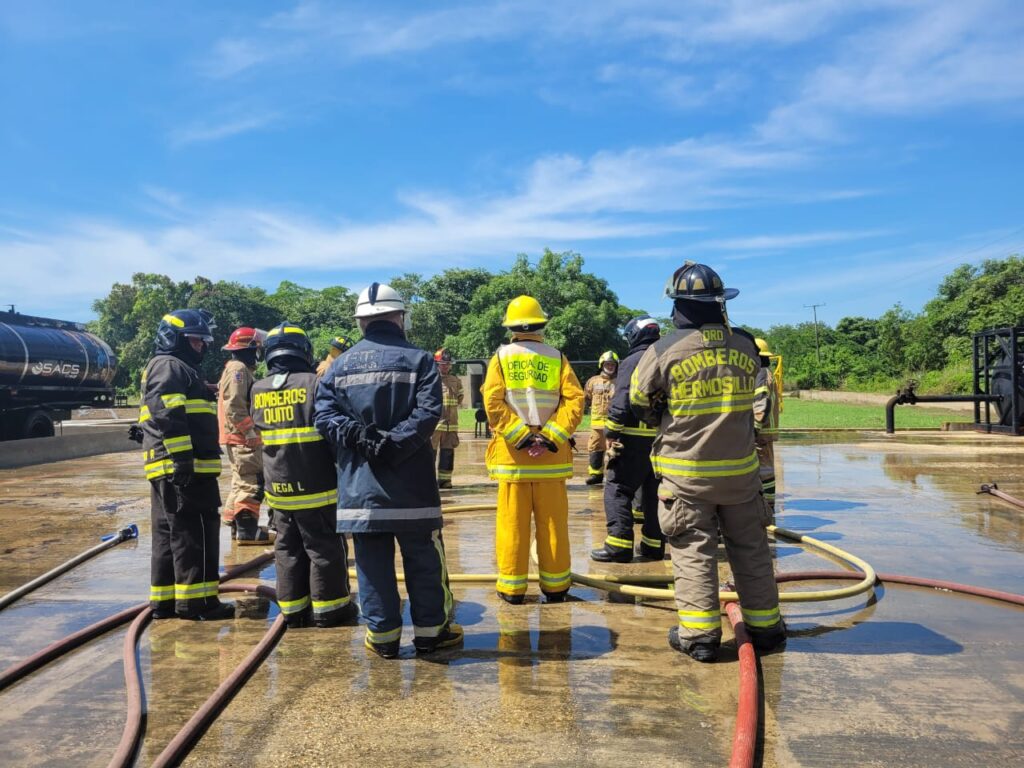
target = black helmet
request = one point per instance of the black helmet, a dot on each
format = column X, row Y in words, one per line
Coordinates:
column 181, row 324
column 698, row 282
column 642, row 329
column 287, row 339
column 342, row 343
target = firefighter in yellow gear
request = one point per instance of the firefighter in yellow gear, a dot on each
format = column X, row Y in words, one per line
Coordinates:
column 338, row 345
column 445, row 439
column 766, row 423
column 598, row 393
column 239, row 437
column 697, row 387
column 534, row 404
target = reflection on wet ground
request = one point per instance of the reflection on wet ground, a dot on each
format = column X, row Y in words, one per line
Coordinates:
column 875, row 680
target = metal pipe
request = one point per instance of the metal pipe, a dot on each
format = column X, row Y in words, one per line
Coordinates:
column 993, row 490
column 111, row 540
column 904, row 398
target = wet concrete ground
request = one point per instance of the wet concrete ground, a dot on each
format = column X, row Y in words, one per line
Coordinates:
column 908, row 677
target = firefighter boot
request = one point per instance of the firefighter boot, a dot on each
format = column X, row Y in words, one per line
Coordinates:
column 512, row 599
column 248, row 531
column 611, row 553
column 648, row 552
column 705, row 651
column 300, row 620
column 211, row 609
column 595, row 471
column 445, row 467
column 345, row 615
column 769, row 640
column 387, row 650
column 448, row 637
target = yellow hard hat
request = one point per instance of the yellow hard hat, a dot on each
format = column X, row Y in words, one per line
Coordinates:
column 524, row 311
column 762, row 347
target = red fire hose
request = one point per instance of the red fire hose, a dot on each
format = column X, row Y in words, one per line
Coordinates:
column 744, row 735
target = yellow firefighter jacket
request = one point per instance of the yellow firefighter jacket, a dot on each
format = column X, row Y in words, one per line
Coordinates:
column 530, row 387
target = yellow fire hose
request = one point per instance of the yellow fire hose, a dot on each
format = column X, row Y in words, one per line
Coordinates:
column 628, row 584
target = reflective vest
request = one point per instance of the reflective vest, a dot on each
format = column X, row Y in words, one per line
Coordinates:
column 532, row 373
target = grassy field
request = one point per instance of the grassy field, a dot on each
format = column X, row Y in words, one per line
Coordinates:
column 814, row 414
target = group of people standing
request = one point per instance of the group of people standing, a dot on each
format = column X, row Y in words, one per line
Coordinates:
column 361, row 445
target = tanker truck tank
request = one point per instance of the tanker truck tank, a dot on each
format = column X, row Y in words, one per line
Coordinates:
column 47, row 368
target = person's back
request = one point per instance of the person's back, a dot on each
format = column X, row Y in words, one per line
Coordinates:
column 377, row 406
column 697, row 386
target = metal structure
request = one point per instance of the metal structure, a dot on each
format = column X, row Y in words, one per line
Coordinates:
column 998, row 396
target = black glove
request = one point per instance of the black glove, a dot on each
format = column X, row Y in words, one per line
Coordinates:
column 370, row 442
column 183, row 475
column 525, row 442
column 261, row 487
column 350, row 434
column 135, row 433
column 551, row 445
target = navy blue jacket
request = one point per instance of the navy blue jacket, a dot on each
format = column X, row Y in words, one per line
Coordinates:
column 620, row 420
column 393, row 385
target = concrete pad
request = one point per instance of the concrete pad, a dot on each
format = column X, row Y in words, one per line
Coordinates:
column 905, row 677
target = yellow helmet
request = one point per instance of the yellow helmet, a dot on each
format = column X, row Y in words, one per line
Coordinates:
column 608, row 357
column 524, row 311
column 762, row 347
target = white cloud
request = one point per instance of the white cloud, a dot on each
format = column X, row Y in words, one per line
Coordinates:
column 202, row 132
column 798, row 240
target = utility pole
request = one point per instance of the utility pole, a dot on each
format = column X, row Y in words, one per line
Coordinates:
column 817, row 343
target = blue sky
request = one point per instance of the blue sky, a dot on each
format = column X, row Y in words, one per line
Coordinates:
column 838, row 152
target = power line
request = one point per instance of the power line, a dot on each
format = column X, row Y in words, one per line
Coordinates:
column 817, row 342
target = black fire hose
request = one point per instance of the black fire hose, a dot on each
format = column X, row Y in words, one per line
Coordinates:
column 110, row 540
column 57, row 649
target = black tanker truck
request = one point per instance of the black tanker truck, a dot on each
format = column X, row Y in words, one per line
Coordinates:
column 47, row 368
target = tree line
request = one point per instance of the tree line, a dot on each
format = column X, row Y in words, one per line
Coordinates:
column 462, row 309
column 933, row 346
column 458, row 308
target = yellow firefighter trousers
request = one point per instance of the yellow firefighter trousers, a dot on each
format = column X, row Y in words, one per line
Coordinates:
column 246, row 463
column 546, row 501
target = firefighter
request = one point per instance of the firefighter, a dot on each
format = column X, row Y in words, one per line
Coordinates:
column 697, row 387
column 631, row 482
column 338, row 345
column 178, row 418
column 766, row 423
column 239, row 437
column 534, row 405
column 378, row 406
column 445, row 439
column 598, row 394
column 302, row 486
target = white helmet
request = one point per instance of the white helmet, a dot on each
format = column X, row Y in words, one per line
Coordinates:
column 379, row 299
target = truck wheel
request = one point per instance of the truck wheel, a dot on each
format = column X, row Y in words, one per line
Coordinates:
column 37, row 424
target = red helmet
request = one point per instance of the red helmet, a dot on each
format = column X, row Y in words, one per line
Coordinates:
column 242, row 338
column 443, row 355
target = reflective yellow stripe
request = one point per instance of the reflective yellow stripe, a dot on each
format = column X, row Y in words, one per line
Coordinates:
column 161, row 468
column 306, row 501
column 719, row 468
column 597, row 423
column 201, row 406
column 542, row 472
column 656, row 543
column 555, row 579
column 144, row 414
column 695, row 406
column 325, row 606
column 192, row 591
column 555, row 432
column 447, row 428
column 383, row 637
column 178, row 444
column 638, row 431
column 592, row 471
column 761, row 618
column 516, row 431
column 286, row 329
column 293, row 606
column 177, row 322
column 636, row 397
column 700, row 619
column 638, row 515
column 761, row 391
column 163, row 592
column 292, row 435
column 615, row 541
column 450, row 402
column 206, row 466
column 173, row 400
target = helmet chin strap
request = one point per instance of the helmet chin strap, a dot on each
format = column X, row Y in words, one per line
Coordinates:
column 725, row 315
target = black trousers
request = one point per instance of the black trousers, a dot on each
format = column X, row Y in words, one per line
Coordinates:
column 312, row 562
column 629, row 472
column 186, row 544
